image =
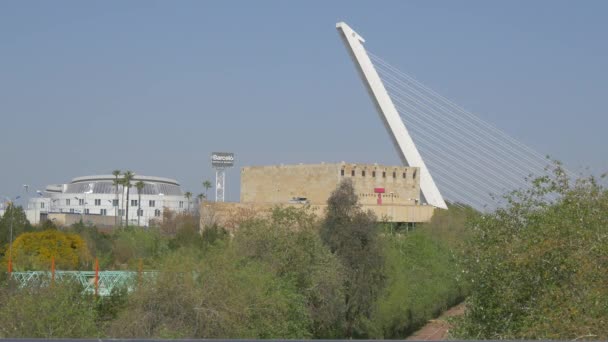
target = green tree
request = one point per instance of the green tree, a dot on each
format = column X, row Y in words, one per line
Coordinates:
column 13, row 217
column 135, row 243
column 126, row 182
column 188, row 196
column 352, row 235
column 116, row 183
column 536, row 268
column 187, row 231
column 99, row 244
column 139, row 186
column 35, row 250
column 207, row 185
column 289, row 244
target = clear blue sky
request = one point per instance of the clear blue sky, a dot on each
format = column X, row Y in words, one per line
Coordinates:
column 90, row 86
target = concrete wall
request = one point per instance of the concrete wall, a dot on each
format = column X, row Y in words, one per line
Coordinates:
column 229, row 215
column 280, row 183
column 66, row 219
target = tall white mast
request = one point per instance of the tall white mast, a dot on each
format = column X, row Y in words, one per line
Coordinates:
column 388, row 113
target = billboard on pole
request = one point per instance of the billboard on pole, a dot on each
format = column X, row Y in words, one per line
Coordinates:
column 222, row 159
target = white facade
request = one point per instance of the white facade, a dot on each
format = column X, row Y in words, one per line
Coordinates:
column 96, row 195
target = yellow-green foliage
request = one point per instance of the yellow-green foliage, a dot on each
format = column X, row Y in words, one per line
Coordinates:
column 422, row 280
column 538, row 267
column 44, row 312
column 34, row 251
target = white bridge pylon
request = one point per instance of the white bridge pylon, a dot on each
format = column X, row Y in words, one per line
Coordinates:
column 390, row 116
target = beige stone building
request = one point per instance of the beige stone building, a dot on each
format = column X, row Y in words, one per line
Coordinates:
column 374, row 184
column 391, row 192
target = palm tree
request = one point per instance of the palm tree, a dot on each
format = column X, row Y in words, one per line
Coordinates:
column 188, row 195
column 140, row 186
column 201, row 197
column 116, row 183
column 207, row 185
column 127, row 178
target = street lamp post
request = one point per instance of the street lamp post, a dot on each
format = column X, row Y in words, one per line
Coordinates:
column 10, row 246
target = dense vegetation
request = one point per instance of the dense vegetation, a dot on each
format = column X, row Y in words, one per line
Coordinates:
column 284, row 275
column 537, row 269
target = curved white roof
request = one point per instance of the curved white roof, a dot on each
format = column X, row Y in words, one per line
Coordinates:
column 104, row 184
column 97, row 178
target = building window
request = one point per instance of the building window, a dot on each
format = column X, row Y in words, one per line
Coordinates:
column 383, row 174
column 152, row 203
column 374, row 174
column 86, row 211
column 363, row 173
column 181, row 204
column 81, row 201
column 134, row 203
column 67, row 201
column 352, row 173
column 404, row 175
column 342, row 172
column 157, row 213
column 394, row 174
column 103, row 212
column 140, row 212
column 42, row 205
column 121, row 212
column 414, row 175
column 71, row 210
column 115, row 203
column 97, row 201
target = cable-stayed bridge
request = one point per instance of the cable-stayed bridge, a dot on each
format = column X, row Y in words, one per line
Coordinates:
column 462, row 158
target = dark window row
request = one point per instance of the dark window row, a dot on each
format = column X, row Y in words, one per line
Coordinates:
column 363, row 173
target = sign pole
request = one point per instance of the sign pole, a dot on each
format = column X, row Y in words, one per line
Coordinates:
column 220, row 161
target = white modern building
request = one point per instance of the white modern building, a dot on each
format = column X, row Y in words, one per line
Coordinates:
column 97, row 195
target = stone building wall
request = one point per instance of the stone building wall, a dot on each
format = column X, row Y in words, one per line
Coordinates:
column 281, row 183
column 229, row 215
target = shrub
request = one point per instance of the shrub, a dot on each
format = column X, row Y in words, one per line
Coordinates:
column 538, row 267
column 34, row 251
column 289, row 245
column 220, row 297
column 61, row 311
column 133, row 244
column 422, row 280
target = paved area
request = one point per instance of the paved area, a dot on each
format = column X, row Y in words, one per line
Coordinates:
column 437, row 329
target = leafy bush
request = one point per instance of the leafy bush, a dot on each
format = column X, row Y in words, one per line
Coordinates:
column 288, row 243
column 222, row 296
column 13, row 217
column 44, row 312
column 133, row 244
column 422, row 280
column 34, row 251
column 538, row 267
column 283, row 275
